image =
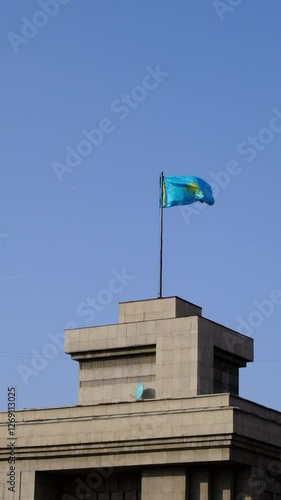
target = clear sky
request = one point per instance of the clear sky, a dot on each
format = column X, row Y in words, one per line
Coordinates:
column 187, row 87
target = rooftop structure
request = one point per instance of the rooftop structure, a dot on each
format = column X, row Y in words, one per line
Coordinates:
column 188, row 437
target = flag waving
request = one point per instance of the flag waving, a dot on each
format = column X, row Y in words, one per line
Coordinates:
column 180, row 190
column 184, row 190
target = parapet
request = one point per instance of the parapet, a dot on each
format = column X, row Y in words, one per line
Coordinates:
column 151, row 309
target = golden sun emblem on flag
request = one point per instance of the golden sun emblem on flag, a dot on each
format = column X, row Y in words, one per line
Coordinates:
column 191, row 186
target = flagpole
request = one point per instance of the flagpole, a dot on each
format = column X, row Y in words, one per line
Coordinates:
column 161, row 238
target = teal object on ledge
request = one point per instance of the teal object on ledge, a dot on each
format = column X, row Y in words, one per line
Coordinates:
column 139, row 391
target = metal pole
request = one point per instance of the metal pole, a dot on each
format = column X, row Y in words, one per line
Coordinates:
column 161, row 236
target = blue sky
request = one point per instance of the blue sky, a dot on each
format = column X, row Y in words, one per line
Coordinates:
column 212, row 109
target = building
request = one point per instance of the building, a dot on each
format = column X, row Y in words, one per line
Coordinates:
column 188, row 437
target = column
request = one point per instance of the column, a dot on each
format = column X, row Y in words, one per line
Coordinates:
column 242, row 485
column 163, row 484
column 24, row 487
column 27, row 485
column 199, row 484
column 222, row 484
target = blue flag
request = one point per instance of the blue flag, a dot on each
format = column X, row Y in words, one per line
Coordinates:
column 184, row 190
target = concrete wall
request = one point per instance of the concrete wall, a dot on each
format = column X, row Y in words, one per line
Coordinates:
column 172, row 353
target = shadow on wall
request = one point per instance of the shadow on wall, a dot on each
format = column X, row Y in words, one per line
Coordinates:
column 148, row 394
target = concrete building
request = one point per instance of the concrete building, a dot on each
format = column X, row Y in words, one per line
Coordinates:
column 189, row 437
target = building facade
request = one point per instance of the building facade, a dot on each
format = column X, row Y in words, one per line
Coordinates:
column 187, row 436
